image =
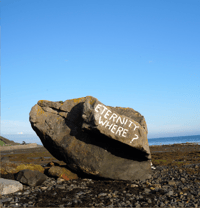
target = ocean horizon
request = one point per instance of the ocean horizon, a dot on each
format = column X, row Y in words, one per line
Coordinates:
column 31, row 138
column 174, row 140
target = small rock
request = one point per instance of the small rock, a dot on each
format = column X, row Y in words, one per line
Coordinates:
column 9, row 186
column 60, row 187
column 180, row 204
column 102, row 194
column 147, row 191
column 156, row 185
column 60, row 180
column 166, row 202
column 183, row 180
column 170, row 193
column 171, row 183
column 26, row 192
column 137, row 205
column 64, row 173
column 166, row 187
column 134, row 185
column 149, row 201
column 43, row 188
column 30, row 177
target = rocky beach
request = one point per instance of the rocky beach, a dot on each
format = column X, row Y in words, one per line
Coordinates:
column 94, row 155
column 174, row 183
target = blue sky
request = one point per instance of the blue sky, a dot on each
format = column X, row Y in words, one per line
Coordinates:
column 139, row 54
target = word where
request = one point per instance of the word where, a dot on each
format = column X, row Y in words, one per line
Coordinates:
column 112, row 119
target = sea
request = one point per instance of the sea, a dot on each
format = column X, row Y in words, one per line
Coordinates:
column 31, row 138
column 174, row 140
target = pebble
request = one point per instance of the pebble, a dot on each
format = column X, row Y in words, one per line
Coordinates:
column 171, row 183
column 170, row 193
column 169, row 186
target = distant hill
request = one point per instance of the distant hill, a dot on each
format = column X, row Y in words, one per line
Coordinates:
column 7, row 141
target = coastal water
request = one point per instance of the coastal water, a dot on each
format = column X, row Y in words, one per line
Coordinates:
column 31, row 138
column 174, row 140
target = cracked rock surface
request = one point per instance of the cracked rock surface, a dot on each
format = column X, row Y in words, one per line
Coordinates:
column 94, row 139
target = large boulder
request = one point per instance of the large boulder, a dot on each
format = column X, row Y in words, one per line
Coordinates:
column 94, row 139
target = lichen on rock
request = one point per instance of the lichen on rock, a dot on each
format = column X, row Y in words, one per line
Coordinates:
column 94, row 139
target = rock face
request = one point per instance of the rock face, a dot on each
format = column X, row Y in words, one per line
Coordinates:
column 94, row 139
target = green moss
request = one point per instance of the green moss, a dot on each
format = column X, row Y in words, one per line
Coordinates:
column 61, row 102
column 30, row 167
column 180, row 163
column 161, row 160
column 2, row 143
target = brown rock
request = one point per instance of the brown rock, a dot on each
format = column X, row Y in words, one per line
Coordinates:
column 94, row 139
column 16, row 167
column 122, row 124
column 30, row 177
column 61, row 172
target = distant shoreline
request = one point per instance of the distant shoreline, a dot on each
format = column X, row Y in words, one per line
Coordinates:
column 31, row 138
column 18, row 147
column 177, row 144
column 35, row 146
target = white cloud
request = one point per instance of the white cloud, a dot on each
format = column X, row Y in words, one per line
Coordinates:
column 16, row 127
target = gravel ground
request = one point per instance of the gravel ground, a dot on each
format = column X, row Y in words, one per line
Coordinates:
column 169, row 186
column 175, row 183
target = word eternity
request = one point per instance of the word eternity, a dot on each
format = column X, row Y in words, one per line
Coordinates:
column 112, row 119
